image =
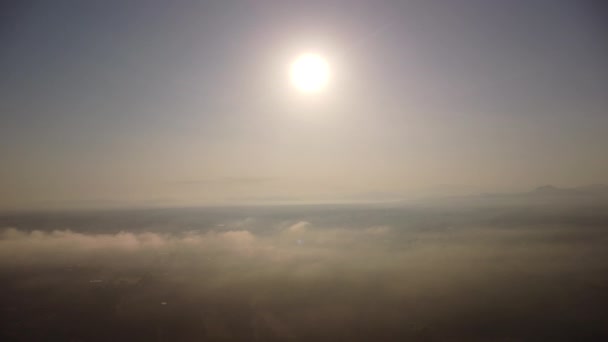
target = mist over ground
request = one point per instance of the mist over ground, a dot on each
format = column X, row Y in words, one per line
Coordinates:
column 459, row 272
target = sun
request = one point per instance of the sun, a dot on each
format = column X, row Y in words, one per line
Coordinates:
column 310, row 73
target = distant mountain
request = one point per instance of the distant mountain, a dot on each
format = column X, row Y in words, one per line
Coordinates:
column 553, row 191
column 550, row 190
column 589, row 195
column 588, row 190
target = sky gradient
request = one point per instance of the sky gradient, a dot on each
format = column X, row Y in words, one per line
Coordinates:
column 188, row 102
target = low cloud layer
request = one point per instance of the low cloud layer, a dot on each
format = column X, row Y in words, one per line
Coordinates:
column 294, row 279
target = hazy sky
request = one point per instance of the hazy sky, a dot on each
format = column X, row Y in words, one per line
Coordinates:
column 189, row 102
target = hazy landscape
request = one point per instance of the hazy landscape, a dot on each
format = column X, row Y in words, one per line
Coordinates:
column 460, row 269
column 319, row 170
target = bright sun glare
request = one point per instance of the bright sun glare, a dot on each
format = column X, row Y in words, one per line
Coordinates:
column 310, row 73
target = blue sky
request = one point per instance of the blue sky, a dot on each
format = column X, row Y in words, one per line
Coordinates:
column 189, row 101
